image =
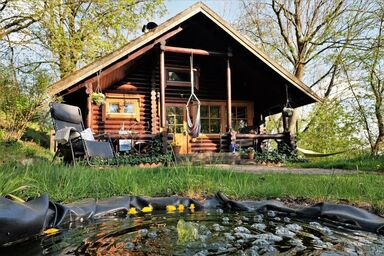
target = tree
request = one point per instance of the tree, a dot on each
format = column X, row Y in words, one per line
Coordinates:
column 79, row 31
column 65, row 33
column 18, row 15
column 332, row 129
column 363, row 67
column 297, row 32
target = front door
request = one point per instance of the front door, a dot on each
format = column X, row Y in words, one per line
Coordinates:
column 176, row 121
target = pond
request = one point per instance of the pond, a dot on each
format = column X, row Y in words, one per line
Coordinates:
column 213, row 232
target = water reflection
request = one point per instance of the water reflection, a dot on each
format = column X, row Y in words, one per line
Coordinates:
column 218, row 233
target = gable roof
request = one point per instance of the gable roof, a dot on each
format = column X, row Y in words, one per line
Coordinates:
column 91, row 69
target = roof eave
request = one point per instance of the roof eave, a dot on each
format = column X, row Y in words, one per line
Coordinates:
column 89, row 70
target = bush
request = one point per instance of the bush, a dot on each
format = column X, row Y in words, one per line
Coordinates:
column 274, row 156
column 20, row 102
column 39, row 137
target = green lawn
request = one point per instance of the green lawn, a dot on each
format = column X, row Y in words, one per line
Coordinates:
column 66, row 184
column 20, row 151
column 362, row 162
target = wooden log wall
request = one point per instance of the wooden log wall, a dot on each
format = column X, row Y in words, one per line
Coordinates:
column 102, row 124
column 138, row 82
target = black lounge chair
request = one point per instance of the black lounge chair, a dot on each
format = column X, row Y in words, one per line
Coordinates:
column 73, row 141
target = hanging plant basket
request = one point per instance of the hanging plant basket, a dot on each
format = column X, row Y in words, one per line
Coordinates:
column 98, row 98
column 287, row 112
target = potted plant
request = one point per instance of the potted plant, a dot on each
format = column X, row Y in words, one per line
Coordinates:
column 176, row 147
column 251, row 153
column 98, row 98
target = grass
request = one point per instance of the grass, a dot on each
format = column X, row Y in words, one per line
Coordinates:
column 67, row 184
column 19, row 151
column 359, row 162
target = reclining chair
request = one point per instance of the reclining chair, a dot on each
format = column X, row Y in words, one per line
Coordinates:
column 73, row 141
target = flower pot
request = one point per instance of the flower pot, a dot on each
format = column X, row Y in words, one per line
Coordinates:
column 176, row 149
column 251, row 155
column 98, row 98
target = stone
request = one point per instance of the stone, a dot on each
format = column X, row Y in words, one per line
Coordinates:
column 241, row 230
column 285, row 232
column 258, row 226
column 294, row 227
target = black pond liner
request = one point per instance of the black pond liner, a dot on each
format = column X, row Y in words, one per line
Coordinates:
column 24, row 222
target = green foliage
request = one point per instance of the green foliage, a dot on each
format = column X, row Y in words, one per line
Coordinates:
column 36, row 135
column 98, row 98
column 153, row 155
column 187, row 231
column 77, row 33
column 331, row 129
column 20, row 102
column 131, row 159
column 274, row 156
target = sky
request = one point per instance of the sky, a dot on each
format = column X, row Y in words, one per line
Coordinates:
column 227, row 9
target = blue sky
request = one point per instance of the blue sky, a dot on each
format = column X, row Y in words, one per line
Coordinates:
column 227, row 9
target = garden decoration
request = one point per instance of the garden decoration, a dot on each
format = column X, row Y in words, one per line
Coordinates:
column 97, row 96
column 176, row 147
column 251, row 153
column 193, row 128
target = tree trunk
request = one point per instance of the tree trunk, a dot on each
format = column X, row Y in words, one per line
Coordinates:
column 299, row 73
column 379, row 144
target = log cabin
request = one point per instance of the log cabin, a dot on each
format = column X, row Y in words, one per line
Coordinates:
column 147, row 84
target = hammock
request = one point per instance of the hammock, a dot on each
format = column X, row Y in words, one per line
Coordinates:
column 310, row 153
column 193, row 128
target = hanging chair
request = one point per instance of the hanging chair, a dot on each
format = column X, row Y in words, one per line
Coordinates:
column 193, row 128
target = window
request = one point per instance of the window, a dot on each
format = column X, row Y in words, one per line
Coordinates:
column 177, row 76
column 122, row 106
column 210, row 119
column 175, row 119
column 239, row 117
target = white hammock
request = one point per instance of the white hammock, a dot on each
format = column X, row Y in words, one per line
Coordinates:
column 193, row 128
column 311, row 153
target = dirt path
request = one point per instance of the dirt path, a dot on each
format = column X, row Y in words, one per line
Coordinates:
column 278, row 169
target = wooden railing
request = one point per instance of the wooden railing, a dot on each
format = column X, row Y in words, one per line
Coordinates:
column 212, row 142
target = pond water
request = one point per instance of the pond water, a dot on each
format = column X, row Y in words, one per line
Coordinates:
column 203, row 233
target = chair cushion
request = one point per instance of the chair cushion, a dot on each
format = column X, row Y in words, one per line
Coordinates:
column 66, row 113
column 87, row 134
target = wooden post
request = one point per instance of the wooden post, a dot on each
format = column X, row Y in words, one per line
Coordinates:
column 89, row 114
column 229, row 95
column 52, row 142
column 162, row 88
column 154, row 126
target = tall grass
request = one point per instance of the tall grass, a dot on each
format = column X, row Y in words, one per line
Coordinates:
column 66, row 184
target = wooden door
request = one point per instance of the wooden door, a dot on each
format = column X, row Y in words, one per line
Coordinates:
column 176, row 122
